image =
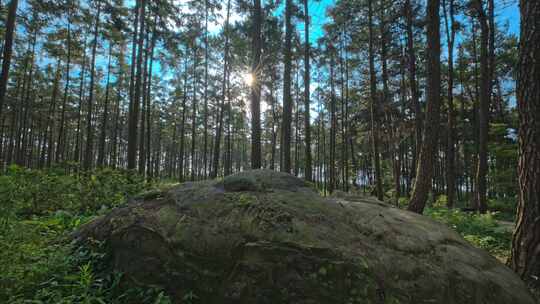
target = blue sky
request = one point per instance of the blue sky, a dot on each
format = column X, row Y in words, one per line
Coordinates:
column 507, row 12
column 317, row 11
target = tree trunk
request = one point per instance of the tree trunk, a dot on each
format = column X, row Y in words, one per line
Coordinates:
column 135, row 101
column 296, row 109
column 385, row 100
column 307, row 77
column 77, row 150
column 206, row 57
column 374, row 107
column 525, row 257
column 148, row 97
column 287, row 98
column 26, row 107
column 227, row 162
column 6, row 57
column 273, row 141
column 194, row 114
column 61, row 144
column 343, row 127
column 17, row 109
column 333, row 123
column 450, row 148
column 89, row 153
column 483, row 113
column 103, row 133
column 474, row 119
column 141, row 141
column 219, row 129
column 117, row 128
column 424, row 171
column 346, row 124
column 183, row 124
column 415, row 95
column 52, row 116
column 256, row 87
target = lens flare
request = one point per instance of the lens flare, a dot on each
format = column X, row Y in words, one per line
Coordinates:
column 249, row 79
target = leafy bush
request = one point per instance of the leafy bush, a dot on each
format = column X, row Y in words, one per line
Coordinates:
column 26, row 192
column 482, row 230
column 441, row 201
column 403, row 202
column 506, row 208
column 109, row 188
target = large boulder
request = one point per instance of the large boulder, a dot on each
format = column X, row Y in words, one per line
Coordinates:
column 268, row 237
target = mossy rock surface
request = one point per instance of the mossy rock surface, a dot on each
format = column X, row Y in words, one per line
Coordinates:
column 268, row 237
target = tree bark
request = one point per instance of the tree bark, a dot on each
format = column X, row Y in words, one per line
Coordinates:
column 148, row 98
column 450, row 148
column 206, row 57
column 287, row 98
column 346, row 122
column 296, row 109
column 415, row 95
column 77, row 150
column 105, row 117
column 183, row 124
column 61, row 145
column 424, row 171
column 227, row 161
column 385, row 98
column 333, row 126
column 135, row 100
column 483, row 112
column 89, row 153
column 6, row 57
column 52, row 116
column 374, row 106
column 525, row 256
column 142, row 129
column 194, row 114
column 307, row 77
column 221, row 107
column 256, row 156
column 117, row 127
column 273, row 141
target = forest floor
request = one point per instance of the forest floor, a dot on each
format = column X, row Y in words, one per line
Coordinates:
column 39, row 209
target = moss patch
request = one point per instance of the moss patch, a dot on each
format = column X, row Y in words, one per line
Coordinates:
column 240, row 183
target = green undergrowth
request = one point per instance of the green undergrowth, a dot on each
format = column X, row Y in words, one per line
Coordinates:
column 491, row 231
column 481, row 230
column 39, row 265
column 38, row 211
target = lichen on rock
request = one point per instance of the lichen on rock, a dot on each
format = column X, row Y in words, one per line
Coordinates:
column 267, row 237
column 237, row 183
